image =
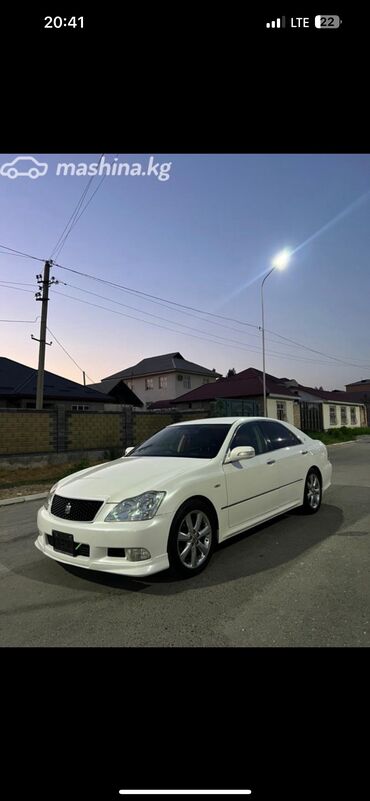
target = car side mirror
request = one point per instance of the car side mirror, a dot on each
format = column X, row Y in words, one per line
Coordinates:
column 243, row 452
column 128, row 450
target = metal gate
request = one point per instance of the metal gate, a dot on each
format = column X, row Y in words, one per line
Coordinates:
column 311, row 416
column 225, row 407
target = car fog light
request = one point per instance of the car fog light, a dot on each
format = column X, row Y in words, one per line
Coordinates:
column 137, row 554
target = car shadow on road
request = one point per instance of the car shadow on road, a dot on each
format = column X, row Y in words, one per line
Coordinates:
column 269, row 545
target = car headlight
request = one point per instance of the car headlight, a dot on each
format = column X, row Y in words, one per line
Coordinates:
column 142, row 507
column 49, row 500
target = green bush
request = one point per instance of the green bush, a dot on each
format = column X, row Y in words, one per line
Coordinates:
column 342, row 434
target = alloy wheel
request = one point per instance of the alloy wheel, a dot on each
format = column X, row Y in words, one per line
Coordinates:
column 313, row 490
column 194, row 539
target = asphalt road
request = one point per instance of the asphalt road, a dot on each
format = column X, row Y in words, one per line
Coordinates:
column 295, row 581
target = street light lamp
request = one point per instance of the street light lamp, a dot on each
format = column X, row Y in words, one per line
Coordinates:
column 280, row 261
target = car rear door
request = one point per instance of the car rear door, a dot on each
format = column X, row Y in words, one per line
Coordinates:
column 289, row 454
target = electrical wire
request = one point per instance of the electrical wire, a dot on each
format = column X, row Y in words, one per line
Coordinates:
column 148, row 295
column 218, row 316
column 157, row 299
column 18, row 253
column 76, row 214
column 183, row 325
column 15, row 283
column 68, row 354
column 249, row 349
column 18, row 289
column 19, row 321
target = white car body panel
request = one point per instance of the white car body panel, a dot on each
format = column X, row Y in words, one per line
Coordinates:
column 242, row 493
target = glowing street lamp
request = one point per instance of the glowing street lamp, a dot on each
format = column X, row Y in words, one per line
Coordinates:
column 280, row 261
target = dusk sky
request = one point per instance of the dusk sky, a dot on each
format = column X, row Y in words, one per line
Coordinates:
column 203, row 238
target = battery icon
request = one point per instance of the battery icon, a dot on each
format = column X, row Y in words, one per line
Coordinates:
column 326, row 21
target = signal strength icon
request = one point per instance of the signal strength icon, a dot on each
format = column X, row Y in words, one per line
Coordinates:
column 276, row 23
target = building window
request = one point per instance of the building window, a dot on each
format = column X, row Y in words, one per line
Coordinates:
column 205, row 380
column 353, row 416
column 162, row 382
column 179, row 377
column 343, row 415
column 333, row 415
column 187, row 382
column 79, row 407
column 149, row 384
column 281, row 410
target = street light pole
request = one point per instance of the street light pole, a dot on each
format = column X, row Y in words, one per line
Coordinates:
column 279, row 263
column 263, row 345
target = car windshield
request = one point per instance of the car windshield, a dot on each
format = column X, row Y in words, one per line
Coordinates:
column 188, row 441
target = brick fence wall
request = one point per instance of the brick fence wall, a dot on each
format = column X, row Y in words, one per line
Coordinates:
column 27, row 432
column 93, row 430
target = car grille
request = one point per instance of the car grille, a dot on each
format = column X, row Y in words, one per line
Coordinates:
column 77, row 509
column 80, row 548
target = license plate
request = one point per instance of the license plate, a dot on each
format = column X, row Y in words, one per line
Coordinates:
column 63, row 543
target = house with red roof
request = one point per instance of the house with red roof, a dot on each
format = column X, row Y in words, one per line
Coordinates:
column 302, row 406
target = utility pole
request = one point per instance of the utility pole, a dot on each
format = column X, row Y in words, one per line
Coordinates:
column 44, row 283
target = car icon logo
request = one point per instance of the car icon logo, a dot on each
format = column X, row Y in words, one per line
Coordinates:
column 28, row 167
column 67, row 508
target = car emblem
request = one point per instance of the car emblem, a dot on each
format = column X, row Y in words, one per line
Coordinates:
column 67, row 508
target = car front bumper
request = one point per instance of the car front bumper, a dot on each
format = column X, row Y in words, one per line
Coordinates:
column 327, row 472
column 100, row 536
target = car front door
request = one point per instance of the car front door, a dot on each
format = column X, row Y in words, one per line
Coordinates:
column 289, row 454
column 252, row 484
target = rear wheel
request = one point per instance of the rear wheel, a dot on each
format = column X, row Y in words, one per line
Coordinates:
column 312, row 493
column 192, row 538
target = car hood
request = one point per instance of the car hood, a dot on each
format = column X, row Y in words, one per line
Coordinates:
column 127, row 477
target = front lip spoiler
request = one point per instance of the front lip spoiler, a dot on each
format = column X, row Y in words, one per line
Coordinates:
column 108, row 565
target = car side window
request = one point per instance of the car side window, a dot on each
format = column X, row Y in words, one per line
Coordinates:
column 249, row 434
column 277, row 435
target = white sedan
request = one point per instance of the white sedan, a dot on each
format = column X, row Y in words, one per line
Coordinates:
column 169, row 501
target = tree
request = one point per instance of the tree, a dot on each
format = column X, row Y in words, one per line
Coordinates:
column 231, row 372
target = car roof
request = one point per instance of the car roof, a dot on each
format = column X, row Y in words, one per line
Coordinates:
column 219, row 420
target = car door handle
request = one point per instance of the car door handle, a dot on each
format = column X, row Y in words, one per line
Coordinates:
column 304, row 452
column 272, row 461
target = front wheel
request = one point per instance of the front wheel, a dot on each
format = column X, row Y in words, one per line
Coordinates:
column 192, row 538
column 312, row 493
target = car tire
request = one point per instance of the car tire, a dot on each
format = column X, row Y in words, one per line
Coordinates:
column 192, row 538
column 312, row 493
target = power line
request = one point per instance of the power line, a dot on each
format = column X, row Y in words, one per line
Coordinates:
column 75, row 216
column 175, row 322
column 15, row 283
column 18, row 289
column 211, row 314
column 206, row 339
column 321, row 353
column 68, row 354
column 148, row 295
column 157, row 317
column 20, row 321
column 188, row 314
column 157, row 303
column 71, row 219
column 18, row 253
column 155, row 298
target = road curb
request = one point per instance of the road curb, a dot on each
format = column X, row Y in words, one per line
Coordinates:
column 23, row 499
column 334, row 444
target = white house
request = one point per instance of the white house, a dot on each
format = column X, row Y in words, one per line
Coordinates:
column 163, row 378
